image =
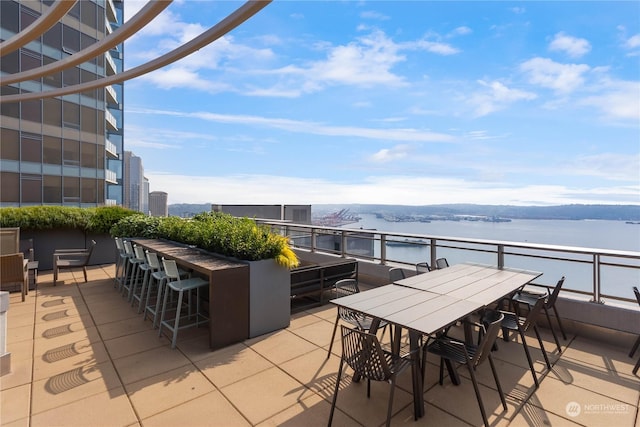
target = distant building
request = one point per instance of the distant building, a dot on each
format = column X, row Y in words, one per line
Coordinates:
column 158, row 203
column 300, row 214
column 135, row 187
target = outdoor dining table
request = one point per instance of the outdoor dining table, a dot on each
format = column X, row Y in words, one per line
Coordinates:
column 428, row 303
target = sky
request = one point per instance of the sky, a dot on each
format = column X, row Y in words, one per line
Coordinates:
column 391, row 102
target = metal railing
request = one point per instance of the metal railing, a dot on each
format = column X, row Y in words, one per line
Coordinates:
column 591, row 273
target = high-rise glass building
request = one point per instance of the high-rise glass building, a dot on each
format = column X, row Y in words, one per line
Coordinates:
column 136, row 185
column 158, row 203
column 64, row 150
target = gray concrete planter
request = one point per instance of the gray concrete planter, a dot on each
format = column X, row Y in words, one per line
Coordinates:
column 269, row 297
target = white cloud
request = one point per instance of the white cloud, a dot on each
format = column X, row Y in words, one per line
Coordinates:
column 616, row 100
column 563, row 78
column 608, row 166
column 633, row 42
column 496, row 96
column 390, row 154
column 572, row 46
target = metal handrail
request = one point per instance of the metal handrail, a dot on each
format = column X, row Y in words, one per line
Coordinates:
column 307, row 236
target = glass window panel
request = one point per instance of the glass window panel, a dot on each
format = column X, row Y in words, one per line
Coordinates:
column 31, row 147
column 9, row 11
column 75, row 10
column 10, row 62
column 71, row 115
column 30, row 59
column 88, row 10
column 53, row 36
column 100, row 195
column 89, row 157
column 52, row 186
column 11, row 109
column 86, row 40
column 89, row 120
column 71, row 76
column 54, row 80
column 71, row 188
column 52, row 150
column 100, row 123
column 70, row 39
column 52, row 114
column 31, row 110
column 10, row 145
column 10, row 186
column 31, row 189
column 27, row 17
column 71, row 152
column 89, row 190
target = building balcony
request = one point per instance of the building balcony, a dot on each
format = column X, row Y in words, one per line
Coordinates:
column 112, row 123
column 108, row 27
column 110, row 176
column 112, row 97
column 81, row 355
column 111, row 11
column 111, row 149
column 111, row 64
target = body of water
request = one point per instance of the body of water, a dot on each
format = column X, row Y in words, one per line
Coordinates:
column 615, row 235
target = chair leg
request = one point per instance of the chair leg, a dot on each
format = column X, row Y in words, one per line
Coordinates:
column 176, row 324
column 555, row 310
column 161, row 290
column 333, row 335
column 335, row 393
column 544, row 352
column 164, row 308
column 553, row 331
column 495, row 376
column 390, row 406
column 635, row 369
column 635, row 347
column 477, row 390
column 526, row 351
column 84, row 270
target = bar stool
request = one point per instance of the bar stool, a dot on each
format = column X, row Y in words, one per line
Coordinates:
column 122, row 260
column 155, row 287
column 140, row 278
column 174, row 283
column 131, row 269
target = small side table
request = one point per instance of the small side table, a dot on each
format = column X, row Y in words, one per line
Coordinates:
column 32, row 267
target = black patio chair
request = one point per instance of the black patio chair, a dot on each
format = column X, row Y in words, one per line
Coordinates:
column 363, row 353
column 357, row 320
column 551, row 296
column 442, row 263
column 470, row 355
column 422, row 267
column 396, row 273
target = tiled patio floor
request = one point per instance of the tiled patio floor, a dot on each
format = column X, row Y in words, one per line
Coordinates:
column 81, row 356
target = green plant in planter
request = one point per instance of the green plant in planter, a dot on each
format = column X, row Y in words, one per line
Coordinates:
column 98, row 220
column 216, row 232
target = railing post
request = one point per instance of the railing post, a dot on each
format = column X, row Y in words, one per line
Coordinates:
column 596, row 279
column 501, row 256
column 432, row 249
column 343, row 244
column 313, row 239
column 383, row 249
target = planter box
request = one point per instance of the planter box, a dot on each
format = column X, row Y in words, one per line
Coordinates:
column 269, row 299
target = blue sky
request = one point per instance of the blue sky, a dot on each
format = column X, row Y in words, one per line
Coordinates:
column 392, row 102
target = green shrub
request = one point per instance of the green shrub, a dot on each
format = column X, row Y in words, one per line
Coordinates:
column 221, row 233
column 98, row 220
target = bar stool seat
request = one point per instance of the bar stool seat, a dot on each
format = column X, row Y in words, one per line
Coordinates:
column 174, row 283
column 155, row 287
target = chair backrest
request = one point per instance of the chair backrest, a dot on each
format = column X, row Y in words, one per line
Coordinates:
column 422, row 267
column 171, row 269
column 90, row 249
column 139, row 251
column 346, row 287
column 363, row 353
column 533, row 313
column 635, row 291
column 153, row 261
column 396, row 273
column 9, row 240
column 554, row 295
column 12, row 268
column 492, row 320
column 442, row 263
column 119, row 245
column 128, row 248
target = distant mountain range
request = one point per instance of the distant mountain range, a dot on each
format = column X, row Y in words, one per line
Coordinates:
column 574, row 212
